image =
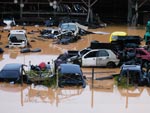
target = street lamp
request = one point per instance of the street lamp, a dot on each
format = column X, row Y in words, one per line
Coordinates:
column 15, row 1
column 21, row 5
column 54, row 5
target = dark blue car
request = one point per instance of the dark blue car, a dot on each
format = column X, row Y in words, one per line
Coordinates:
column 11, row 72
column 70, row 75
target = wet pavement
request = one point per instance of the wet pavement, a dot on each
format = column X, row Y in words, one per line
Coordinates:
column 102, row 97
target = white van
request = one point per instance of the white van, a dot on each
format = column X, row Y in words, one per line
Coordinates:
column 17, row 38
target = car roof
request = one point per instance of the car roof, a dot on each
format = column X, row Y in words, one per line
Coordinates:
column 119, row 33
column 17, row 31
column 140, row 48
column 100, row 49
column 12, row 66
column 70, row 68
column 131, row 67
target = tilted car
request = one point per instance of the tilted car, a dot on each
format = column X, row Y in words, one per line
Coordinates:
column 99, row 58
column 69, row 28
column 70, row 75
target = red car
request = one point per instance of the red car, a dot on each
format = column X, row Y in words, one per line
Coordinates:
column 139, row 53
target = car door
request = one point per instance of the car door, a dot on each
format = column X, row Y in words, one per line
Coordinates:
column 89, row 59
column 102, row 58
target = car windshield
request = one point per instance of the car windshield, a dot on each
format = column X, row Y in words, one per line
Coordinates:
column 19, row 36
column 66, row 27
column 71, row 76
column 130, row 72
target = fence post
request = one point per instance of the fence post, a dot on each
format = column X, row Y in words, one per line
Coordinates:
column 92, row 77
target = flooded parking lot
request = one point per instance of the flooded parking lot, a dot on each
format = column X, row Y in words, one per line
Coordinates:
column 103, row 96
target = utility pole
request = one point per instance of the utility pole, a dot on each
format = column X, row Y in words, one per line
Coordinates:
column 89, row 4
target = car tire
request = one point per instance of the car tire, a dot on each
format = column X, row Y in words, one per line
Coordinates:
column 111, row 65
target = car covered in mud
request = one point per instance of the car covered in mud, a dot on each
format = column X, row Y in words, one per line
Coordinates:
column 50, row 33
column 97, row 58
column 17, row 38
column 69, row 32
column 69, row 28
column 12, row 72
column 70, row 75
column 134, row 74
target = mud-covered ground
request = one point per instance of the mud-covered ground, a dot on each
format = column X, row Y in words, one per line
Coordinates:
column 104, row 97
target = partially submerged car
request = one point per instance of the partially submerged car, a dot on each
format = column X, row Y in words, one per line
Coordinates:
column 50, row 33
column 12, row 72
column 69, row 28
column 134, row 74
column 17, row 38
column 98, row 58
column 139, row 54
column 70, row 75
column 115, row 34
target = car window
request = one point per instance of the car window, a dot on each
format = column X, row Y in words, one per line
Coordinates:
column 56, row 32
column 102, row 53
column 82, row 52
column 131, row 73
column 18, row 36
column 68, row 27
column 72, row 76
column 91, row 54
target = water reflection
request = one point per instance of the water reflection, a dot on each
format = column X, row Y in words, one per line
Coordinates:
column 64, row 94
column 13, row 88
column 94, row 98
column 131, row 92
column 40, row 94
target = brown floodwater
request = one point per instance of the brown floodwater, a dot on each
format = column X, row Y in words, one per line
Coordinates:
column 103, row 96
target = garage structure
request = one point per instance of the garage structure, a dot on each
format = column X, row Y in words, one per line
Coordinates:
column 132, row 12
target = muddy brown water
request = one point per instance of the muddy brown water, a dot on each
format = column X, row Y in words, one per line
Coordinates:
column 103, row 97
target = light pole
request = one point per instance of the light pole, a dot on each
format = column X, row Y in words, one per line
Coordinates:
column 54, row 5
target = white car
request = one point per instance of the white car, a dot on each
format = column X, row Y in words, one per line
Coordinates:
column 17, row 38
column 69, row 27
column 100, row 57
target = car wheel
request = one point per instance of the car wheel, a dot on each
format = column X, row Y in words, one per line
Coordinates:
column 111, row 64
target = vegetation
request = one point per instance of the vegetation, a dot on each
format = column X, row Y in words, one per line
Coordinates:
column 123, row 83
column 41, row 77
